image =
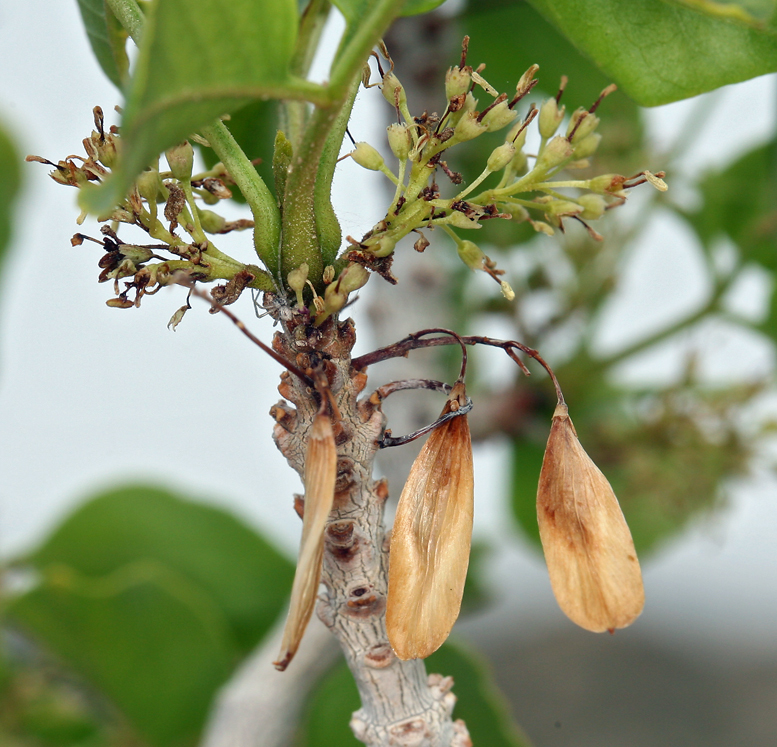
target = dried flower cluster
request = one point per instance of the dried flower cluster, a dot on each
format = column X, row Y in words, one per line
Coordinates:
column 162, row 203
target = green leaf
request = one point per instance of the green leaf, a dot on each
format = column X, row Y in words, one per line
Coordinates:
column 9, row 187
column 144, row 635
column 756, row 13
column 526, row 464
column 254, row 127
column 660, row 52
column 741, row 202
column 107, row 38
column 247, row 579
column 197, row 62
column 479, row 703
column 353, row 10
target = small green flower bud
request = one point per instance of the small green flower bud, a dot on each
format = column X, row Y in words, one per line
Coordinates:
column 498, row 117
column 587, row 146
column 520, row 164
column 500, row 157
column 459, row 220
column 468, row 128
column 611, row 184
column 381, row 247
column 393, row 91
column 334, row 299
column 180, row 158
column 366, row 156
column 582, row 124
column 136, row 254
column 457, row 81
column 471, row 255
column 542, row 227
column 211, row 222
column 297, row 278
column 353, row 277
column 550, row 118
column 556, row 152
column 149, row 185
column 517, row 136
column 400, row 141
column 525, row 83
column 593, row 206
column 562, row 208
column 507, row 291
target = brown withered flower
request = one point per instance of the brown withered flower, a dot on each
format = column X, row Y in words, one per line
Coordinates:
column 320, row 475
column 431, row 539
column 591, row 559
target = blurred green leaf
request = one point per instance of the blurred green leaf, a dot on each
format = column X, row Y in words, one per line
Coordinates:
column 660, row 52
column 149, row 639
column 353, row 10
column 480, row 704
column 247, row 579
column 107, row 38
column 197, row 62
column 741, row 203
column 9, row 187
column 526, row 462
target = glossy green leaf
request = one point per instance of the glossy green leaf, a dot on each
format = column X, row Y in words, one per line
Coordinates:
column 480, row 704
column 144, row 635
column 741, row 202
column 660, row 52
column 246, row 578
column 9, row 187
column 107, row 39
column 198, row 61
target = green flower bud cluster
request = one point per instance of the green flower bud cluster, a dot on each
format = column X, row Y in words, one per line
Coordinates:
column 164, row 204
column 525, row 187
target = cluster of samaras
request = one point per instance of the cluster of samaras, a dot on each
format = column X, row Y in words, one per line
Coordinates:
column 330, row 437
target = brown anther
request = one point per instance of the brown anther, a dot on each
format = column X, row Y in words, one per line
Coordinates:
column 456, row 103
column 175, row 204
column 299, row 505
column 464, row 50
column 421, row 243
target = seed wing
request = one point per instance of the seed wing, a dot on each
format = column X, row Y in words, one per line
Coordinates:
column 430, row 543
column 588, row 547
column 320, row 475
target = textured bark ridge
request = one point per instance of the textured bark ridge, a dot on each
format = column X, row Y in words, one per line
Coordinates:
column 400, row 705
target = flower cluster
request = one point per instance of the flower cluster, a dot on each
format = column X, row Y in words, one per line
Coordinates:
column 163, row 204
column 528, row 188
